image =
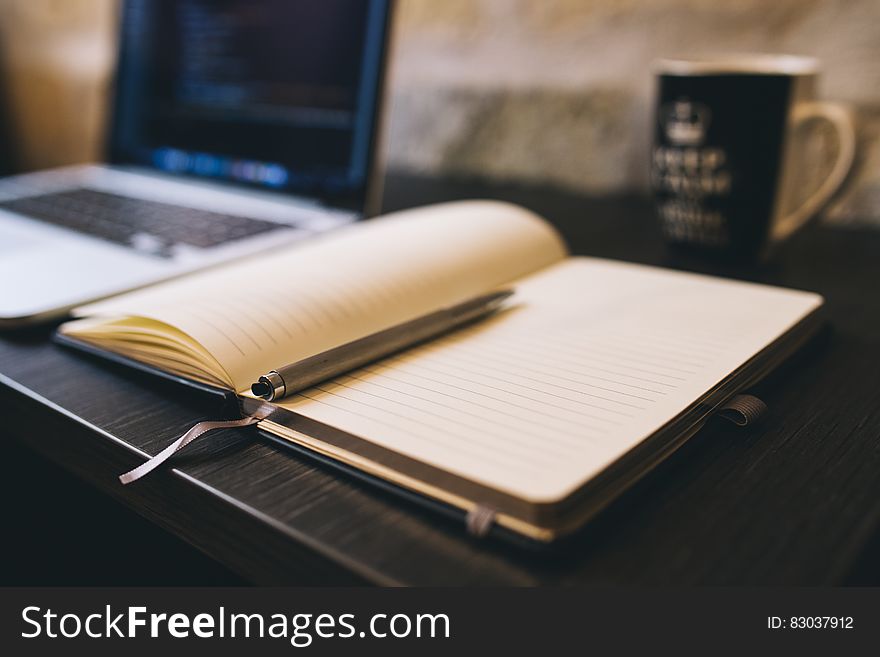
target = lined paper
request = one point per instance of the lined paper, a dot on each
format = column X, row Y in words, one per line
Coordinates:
column 266, row 312
column 593, row 357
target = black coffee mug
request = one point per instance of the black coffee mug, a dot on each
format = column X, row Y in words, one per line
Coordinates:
column 728, row 147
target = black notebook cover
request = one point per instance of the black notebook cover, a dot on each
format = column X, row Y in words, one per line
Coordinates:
column 228, row 403
column 227, row 400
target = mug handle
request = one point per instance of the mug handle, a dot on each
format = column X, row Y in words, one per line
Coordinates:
column 840, row 119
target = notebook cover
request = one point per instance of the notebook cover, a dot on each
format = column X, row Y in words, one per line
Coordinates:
column 741, row 379
column 231, row 404
column 448, row 511
column 226, row 400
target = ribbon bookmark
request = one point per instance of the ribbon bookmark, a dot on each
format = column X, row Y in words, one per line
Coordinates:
column 194, row 432
column 479, row 520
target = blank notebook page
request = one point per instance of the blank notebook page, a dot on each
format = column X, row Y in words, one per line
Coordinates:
column 593, row 358
column 262, row 313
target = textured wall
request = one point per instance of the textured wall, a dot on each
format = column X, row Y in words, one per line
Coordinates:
column 55, row 60
column 559, row 91
column 548, row 91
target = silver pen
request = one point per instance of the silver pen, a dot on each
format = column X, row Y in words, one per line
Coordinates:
column 352, row 355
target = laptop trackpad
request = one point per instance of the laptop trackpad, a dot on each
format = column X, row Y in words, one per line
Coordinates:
column 14, row 241
column 53, row 275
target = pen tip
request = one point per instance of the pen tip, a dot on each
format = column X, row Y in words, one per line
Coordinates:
column 260, row 389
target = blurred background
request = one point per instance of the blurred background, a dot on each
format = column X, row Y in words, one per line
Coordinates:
column 540, row 92
column 556, row 92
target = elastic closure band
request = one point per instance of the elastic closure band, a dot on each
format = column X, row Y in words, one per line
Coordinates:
column 743, row 410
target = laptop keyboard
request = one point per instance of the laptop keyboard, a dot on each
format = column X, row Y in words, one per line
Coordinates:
column 149, row 226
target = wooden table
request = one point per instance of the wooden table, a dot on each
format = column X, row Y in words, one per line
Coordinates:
column 795, row 500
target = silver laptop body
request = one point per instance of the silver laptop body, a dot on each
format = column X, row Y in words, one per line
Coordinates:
column 207, row 164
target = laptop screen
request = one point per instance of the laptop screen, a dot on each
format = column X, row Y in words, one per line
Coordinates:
column 279, row 94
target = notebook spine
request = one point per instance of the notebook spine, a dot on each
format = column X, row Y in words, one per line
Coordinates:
column 225, row 402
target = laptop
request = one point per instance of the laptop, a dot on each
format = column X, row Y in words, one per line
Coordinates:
column 237, row 127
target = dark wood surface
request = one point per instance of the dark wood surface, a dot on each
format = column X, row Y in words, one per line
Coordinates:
column 795, row 500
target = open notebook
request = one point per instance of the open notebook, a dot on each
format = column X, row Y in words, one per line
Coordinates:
column 594, row 372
